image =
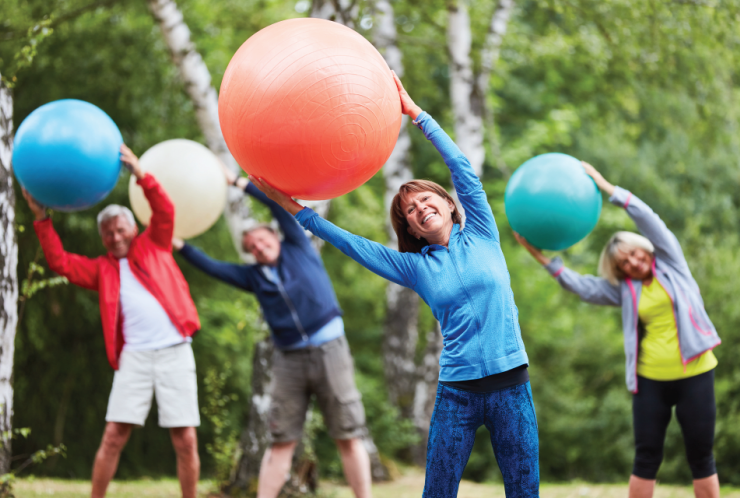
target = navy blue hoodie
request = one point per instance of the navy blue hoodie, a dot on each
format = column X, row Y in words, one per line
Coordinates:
column 303, row 302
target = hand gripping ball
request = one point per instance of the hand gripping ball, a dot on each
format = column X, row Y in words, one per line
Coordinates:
column 66, row 154
column 193, row 178
column 310, row 106
column 552, row 202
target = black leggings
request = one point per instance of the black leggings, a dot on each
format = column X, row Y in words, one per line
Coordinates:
column 695, row 410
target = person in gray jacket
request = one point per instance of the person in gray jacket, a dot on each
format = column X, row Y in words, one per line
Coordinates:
column 668, row 338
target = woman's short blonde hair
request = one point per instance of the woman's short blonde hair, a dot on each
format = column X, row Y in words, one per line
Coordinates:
column 620, row 241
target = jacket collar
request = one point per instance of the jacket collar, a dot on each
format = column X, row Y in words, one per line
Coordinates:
column 436, row 247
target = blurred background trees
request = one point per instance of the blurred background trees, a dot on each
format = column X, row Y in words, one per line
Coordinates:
column 645, row 91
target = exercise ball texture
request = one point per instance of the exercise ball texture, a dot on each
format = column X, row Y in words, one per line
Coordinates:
column 310, row 106
column 552, row 202
column 66, row 154
column 193, row 178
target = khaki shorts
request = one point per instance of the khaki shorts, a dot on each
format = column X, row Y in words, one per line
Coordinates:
column 326, row 371
column 168, row 374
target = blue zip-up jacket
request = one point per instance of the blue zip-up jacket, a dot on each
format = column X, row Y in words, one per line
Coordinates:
column 696, row 333
column 302, row 302
column 466, row 284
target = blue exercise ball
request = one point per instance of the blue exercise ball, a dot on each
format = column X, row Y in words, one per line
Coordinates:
column 66, row 154
column 552, row 202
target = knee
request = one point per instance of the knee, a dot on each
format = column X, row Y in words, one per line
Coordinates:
column 347, row 446
column 702, row 466
column 115, row 437
column 184, row 440
column 647, row 462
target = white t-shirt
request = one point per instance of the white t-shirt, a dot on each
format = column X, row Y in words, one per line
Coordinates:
column 146, row 325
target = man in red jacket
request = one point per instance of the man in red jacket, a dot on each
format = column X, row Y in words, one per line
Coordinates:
column 148, row 319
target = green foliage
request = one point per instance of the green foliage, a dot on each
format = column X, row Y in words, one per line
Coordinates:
column 7, row 480
column 214, row 407
column 646, row 91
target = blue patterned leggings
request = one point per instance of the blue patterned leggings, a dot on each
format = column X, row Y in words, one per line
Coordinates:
column 508, row 415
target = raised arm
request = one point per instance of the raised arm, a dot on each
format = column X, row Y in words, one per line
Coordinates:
column 478, row 214
column 590, row 289
column 162, row 224
column 594, row 290
column 651, row 226
column 648, row 222
column 79, row 270
column 294, row 234
column 392, row 265
column 231, row 273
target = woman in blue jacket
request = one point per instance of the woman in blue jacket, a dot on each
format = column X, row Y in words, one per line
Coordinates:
column 461, row 274
column 668, row 338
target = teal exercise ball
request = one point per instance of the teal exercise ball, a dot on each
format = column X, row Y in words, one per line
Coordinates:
column 552, row 202
column 66, row 154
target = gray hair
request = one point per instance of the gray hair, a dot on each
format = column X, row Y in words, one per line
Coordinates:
column 111, row 212
column 620, row 241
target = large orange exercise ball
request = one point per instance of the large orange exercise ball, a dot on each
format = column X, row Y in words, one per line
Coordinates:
column 193, row 178
column 310, row 106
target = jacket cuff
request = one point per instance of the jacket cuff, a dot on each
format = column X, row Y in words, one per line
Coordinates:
column 147, row 182
column 40, row 223
column 621, row 197
column 555, row 267
column 424, row 122
column 304, row 215
column 185, row 249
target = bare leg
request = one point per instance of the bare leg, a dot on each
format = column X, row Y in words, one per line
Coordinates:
column 185, row 442
column 356, row 464
column 115, row 437
column 275, row 468
column 641, row 488
column 707, row 487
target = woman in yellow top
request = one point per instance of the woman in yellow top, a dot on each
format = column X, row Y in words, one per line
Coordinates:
column 668, row 338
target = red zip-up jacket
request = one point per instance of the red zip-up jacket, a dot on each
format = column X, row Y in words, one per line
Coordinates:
column 151, row 262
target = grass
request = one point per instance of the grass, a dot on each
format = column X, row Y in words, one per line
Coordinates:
column 409, row 485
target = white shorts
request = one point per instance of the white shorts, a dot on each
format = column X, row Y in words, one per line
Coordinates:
column 167, row 373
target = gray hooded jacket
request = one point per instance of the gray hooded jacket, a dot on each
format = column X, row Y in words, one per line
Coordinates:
column 696, row 333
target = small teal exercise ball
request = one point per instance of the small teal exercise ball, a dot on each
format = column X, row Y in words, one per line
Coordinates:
column 552, row 202
column 66, row 154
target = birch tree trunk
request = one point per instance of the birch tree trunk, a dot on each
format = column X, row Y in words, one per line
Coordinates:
column 8, row 277
column 255, row 438
column 197, row 80
column 468, row 88
column 402, row 304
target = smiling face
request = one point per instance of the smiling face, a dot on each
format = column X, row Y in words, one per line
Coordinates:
column 428, row 215
column 117, row 234
column 263, row 244
column 634, row 262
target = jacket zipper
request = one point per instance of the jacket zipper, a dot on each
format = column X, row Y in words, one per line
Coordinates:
column 477, row 335
column 293, row 311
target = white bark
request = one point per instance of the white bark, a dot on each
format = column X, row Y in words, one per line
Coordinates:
column 8, row 277
column 197, row 80
column 468, row 125
column 402, row 305
column 467, row 88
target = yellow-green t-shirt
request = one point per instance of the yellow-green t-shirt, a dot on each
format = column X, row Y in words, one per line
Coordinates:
column 660, row 358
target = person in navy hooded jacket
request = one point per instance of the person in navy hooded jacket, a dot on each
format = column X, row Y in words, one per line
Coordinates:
column 311, row 355
column 461, row 274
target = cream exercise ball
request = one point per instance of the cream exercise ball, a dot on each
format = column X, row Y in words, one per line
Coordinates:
column 193, row 178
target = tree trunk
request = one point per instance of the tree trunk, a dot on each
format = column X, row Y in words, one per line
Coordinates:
column 8, row 277
column 467, row 88
column 255, row 438
column 426, row 392
column 197, row 80
column 402, row 304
